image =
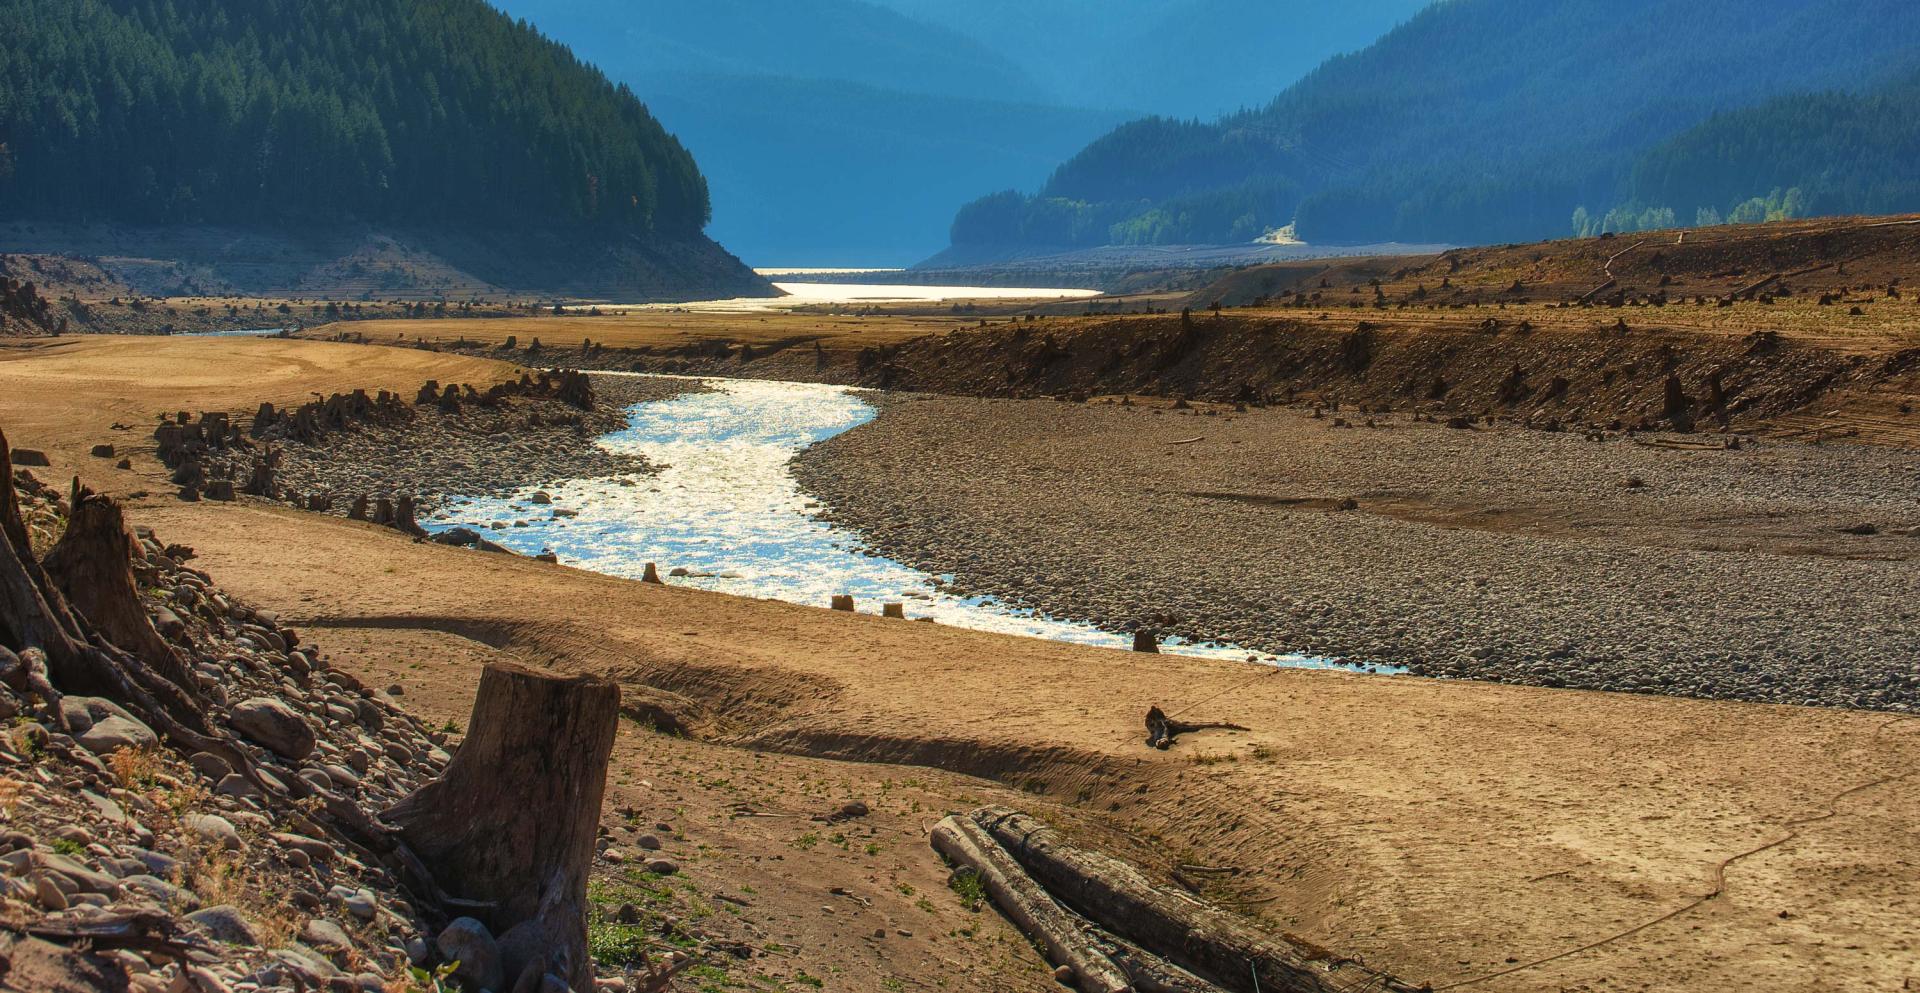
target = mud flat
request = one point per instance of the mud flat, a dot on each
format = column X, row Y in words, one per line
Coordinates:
column 1649, row 564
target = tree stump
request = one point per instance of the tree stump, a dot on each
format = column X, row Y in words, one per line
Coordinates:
column 93, row 566
column 512, row 822
column 36, row 620
column 403, row 514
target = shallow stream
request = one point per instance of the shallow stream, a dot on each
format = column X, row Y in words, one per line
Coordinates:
column 725, row 514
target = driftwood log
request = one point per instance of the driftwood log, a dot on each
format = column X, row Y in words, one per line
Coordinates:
column 1214, row 944
column 511, row 825
column 1163, row 730
column 1151, row 973
column 966, row 844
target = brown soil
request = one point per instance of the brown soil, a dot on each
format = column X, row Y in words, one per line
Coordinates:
column 1514, row 838
column 1861, row 256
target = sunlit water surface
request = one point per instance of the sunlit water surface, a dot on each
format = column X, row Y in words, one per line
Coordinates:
column 803, row 294
column 725, row 508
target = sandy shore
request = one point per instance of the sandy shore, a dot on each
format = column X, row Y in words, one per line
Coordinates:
column 1650, row 564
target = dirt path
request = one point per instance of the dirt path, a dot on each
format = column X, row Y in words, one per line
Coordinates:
column 1449, row 832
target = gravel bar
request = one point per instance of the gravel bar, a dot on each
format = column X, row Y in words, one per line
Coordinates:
column 1772, row 571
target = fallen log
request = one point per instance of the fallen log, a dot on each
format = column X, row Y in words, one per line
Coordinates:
column 1596, row 291
column 1151, row 973
column 1214, row 944
column 1162, row 730
column 512, row 822
column 966, row 844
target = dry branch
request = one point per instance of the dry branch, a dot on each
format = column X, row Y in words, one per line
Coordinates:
column 1163, row 730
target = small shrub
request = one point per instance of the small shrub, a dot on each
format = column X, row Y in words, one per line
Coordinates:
column 135, row 768
column 966, row 885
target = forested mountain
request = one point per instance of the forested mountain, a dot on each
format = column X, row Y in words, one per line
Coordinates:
column 835, row 132
column 1182, row 58
column 279, row 113
column 843, row 132
column 1477, row 121
column 1841, row 153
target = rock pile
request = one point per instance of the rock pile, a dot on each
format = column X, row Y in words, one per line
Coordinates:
column 214, row 458
column 481, row 449
column 255, row 863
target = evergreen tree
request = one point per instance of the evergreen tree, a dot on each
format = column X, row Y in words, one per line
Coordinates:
column 296, row 112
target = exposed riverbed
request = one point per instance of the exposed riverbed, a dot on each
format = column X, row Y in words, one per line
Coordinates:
column 724, row 513
column 1773, row 571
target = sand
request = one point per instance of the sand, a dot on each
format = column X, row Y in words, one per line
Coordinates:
column 1517, row 838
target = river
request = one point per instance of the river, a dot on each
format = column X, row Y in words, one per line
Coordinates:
column 726, row 513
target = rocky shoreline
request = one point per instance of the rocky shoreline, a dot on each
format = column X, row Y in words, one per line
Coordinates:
column 439, row 456
column 129, row 865
column 1773, row 572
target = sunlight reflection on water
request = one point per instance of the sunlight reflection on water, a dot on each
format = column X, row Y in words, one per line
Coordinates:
column 725, row 507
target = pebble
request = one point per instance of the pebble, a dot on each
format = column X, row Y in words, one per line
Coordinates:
column 1078, row 511
column 271, row 723
column 470, row 943
column 227, row 924
column 48, row 894
column 214, row 828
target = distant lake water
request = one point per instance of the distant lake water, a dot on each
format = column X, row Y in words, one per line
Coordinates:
column 857, row 294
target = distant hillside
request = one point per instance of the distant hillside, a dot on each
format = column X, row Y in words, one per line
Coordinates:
column 1843, row 153
column 1477, row 121
column 1183, row 58
column 834, row 132
column 435, row 115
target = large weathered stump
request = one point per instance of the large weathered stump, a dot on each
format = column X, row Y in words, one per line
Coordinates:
column 35, row 616
column 93, row 566
column 512, row 822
